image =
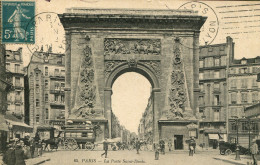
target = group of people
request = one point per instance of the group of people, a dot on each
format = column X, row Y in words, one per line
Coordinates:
column 20, row 149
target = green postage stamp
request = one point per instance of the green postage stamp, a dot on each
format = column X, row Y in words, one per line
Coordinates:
column 16, row 16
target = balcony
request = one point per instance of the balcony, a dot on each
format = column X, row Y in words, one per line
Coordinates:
column 57, row 76
column 57, row 103
column 57, row 90
column 216, row 103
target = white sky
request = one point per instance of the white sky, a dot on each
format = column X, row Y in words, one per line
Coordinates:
column 245, row 32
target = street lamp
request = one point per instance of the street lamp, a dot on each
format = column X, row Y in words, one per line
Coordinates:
column 237, row 146
column 203, row 118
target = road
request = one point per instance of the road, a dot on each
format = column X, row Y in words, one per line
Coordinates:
column 130, row 157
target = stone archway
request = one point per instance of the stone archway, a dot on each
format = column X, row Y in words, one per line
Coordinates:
column 162, row 45
column 149, row 69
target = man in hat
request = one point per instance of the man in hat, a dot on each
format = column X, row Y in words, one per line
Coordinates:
column 9, row 156
column 105, row 147
column 254, row 151
column 137, row 145
column 19, row 155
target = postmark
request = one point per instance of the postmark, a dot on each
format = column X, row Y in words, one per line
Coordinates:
column 15, row 17
column 50, row 34
column 209, row 30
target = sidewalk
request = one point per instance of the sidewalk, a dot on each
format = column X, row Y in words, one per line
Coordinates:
column 33, row 161
column 245, row 159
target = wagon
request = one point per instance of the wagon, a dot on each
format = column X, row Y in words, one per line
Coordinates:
column 79, row 137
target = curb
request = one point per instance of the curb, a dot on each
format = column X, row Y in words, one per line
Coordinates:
column 229, row 161
column 42, row 161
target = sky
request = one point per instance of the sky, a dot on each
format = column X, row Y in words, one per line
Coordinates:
column 238, row 19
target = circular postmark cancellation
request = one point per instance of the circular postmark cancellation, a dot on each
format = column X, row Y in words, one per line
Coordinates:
column 209, row 30
column 50, row 34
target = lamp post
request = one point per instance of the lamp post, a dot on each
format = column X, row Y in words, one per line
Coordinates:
column 237, row 146
column 203, row 118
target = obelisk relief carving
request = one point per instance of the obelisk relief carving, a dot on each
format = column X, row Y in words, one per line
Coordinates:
column 178, row 99
column 86, row 89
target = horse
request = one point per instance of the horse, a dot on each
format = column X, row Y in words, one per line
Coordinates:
column 53, row 142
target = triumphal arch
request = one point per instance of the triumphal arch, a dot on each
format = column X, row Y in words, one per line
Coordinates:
column 162, row 45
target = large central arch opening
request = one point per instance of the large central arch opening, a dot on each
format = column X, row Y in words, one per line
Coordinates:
column 131, row 92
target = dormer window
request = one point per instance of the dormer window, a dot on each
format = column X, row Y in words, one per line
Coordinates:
column 244, row 62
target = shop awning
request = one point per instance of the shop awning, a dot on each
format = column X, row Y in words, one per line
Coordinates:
column 19, row 126
column 213, row 136
column 3, row 125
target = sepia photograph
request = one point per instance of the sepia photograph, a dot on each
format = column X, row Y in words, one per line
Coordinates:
column 151, row 82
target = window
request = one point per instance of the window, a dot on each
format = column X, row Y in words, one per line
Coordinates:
column 201, row 87
column 244, row 126
column 216, row 61
column 17, row 68
column 256, row 69
column 46, row 84
column 201, row 110
column 46, row 113
column 209, row 61
column 233, row 98
column 216, row 86
column 216, row 100
column 46, row 97
column 200, row 76
column 216, row 114
column 233, row 84
column 201, row 100
column 243, row 70
column 62, row 98
column 255, row 97
column 37, row 119
column 201, row 64
column 17, row 57
column 244, row 97
column 243, row 61
column 216, row 74
column 17, row 81
column 56, row 72
column 62, row 86
column 57, row 86
column 56, row 98
column 233, row 126
column 17, row 96
column 37, row 88
column 46, row 71
column 63, row 72
column 37, row 103
column 8, row 66
column 244, row 83
column 232, row 71
column 223, row 60
column 17, row 108
column 254, row 84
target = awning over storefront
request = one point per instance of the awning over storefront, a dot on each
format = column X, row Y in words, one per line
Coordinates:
column 19, row 126
column 3, row 125
column 213, row 136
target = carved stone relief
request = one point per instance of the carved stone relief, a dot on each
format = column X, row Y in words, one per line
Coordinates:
column 113, row 46
column 155, row 66
column 86, row 85
column 111, row 65
column 177, row 94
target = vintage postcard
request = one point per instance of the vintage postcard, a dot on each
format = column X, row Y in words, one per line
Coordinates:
column 129, row 82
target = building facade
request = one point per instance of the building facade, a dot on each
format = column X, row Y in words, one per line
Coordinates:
column 45, row 82
column 145, row 129
column 244, row 90
column 15, row 97
column 214, row 60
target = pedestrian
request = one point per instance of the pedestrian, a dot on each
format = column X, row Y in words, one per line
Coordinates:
column 157, row 151
column 254, row 151
column 32, row 147
column 39, row 148
column 170, row 145
column 137, row 145
column 9, row 156
column 105, row 147
column 191, row 147
column 162, row 146
column 19, row 155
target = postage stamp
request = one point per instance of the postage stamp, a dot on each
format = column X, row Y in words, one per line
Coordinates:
column 15, row 18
